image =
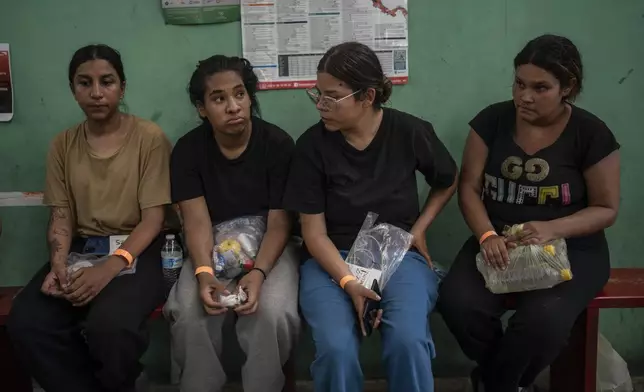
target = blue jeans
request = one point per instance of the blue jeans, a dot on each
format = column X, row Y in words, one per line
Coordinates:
column 407, row 346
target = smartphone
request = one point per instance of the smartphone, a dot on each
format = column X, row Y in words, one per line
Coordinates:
column 369, row 306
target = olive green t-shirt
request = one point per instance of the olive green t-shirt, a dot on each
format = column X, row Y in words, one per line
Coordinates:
column 107, row 194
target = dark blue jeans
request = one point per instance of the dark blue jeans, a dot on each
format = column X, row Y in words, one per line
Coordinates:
column 407, row 300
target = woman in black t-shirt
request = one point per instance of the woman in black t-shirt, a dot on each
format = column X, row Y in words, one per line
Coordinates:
column 542, row 162
column 363, row 158
column 233, row 165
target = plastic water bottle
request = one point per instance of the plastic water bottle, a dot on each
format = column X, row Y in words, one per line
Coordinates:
column 172, row 260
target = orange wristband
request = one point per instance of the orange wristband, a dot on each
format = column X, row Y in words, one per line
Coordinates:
column 126, row 255
column 346, row 279
column 487, row 235
column 207, row 270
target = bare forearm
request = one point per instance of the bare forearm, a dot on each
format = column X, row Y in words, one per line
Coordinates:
column 474, row 211
column 436, row 201
column 327, row 255
column 200, row 242
column 142, row 236
column 585, row 222
column 273, row 244
column 59, row 235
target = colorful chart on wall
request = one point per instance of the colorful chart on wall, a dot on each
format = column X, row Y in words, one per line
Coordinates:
column 6, row 87
column 285, row 39
column 190, row 12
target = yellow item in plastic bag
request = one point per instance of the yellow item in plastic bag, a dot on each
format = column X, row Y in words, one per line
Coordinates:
column 566, row 274
column 230, row 245
column 531, row 267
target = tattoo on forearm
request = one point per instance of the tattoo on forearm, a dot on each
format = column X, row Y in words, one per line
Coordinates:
column 57, row 213
column 55, row 247
column 61, row 231
column 57, row 232
column 57, row 222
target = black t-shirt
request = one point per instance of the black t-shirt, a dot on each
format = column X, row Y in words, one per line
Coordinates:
column 547, row 185
column 250, row 184
column 330, row 176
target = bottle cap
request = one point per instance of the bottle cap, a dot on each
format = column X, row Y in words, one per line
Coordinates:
column 169, row 236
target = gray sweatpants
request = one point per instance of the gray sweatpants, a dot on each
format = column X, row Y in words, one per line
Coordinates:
column 267, row 336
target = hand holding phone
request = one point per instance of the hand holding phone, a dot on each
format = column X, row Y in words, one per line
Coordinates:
column 371, row 307
column 359, row 294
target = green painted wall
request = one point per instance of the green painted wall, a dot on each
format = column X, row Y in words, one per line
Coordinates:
column 460, row 61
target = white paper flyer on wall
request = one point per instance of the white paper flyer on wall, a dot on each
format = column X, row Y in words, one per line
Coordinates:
column 286, row 39
column 6, row 87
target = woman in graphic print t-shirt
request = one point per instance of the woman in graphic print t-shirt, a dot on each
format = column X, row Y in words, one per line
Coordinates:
column 540, row 161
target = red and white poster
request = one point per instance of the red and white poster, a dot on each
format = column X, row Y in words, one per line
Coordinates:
column 6, row 87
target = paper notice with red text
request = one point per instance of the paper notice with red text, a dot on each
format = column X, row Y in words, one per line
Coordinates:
column 6, row 87
column 285, row 39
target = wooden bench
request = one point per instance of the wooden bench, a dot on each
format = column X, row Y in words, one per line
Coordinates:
column 576, row 367
column 574, row 370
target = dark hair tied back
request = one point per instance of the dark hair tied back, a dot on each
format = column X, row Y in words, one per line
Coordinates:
column 96, row 52
column 220, row 63
column 359, row 67
column 557, row 55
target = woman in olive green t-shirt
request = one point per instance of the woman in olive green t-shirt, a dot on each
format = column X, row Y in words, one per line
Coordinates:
column 107, row 176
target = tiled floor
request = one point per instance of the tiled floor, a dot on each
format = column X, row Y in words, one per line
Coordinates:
column 455, row 385
column 442, row 385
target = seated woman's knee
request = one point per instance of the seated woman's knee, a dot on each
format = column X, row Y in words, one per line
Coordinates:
column 453, row 298
column 108, row 325
column 404, row 337
column 274, row 312
column 337, row 344
column 21, row 323
column 544, row 325
column 31, row 316
column 184, row 313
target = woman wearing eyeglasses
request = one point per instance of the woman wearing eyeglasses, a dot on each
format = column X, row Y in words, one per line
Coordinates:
column 359, row 158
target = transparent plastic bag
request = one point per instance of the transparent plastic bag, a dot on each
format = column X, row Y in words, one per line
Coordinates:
column 612, row 370
column 76, row 261
column 237, row 242
column 234, row 299
column 532, row 267
column 377, row 251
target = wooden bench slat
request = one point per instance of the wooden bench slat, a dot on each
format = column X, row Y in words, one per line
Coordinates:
column 625, row 289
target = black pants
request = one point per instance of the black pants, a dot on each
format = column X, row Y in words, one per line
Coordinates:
column 47, row 332
column 539, row 329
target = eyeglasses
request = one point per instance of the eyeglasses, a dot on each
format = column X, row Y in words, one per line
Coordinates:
column 324, row 101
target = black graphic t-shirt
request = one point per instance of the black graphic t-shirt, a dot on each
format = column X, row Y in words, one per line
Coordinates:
column 547, row 185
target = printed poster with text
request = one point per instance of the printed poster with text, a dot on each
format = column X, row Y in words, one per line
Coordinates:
column 6, row 88
column 285, row 39
column 192, row 12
